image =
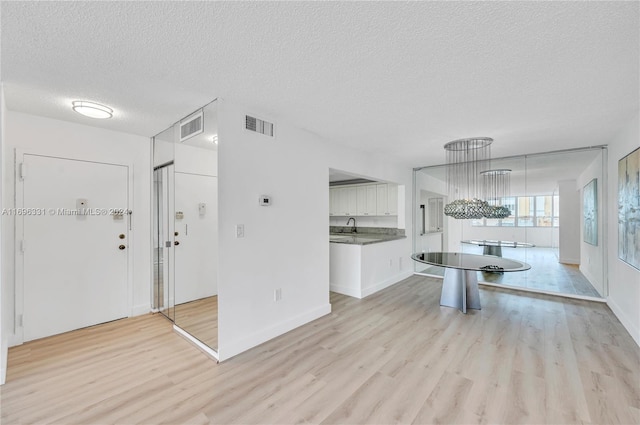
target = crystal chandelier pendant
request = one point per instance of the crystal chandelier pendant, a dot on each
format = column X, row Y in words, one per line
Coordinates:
column 495, row 187
column 498, row 212
column 468, row 209
column 466, row 160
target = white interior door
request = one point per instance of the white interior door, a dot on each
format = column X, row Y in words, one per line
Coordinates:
column 196, row 259
column 74, row 265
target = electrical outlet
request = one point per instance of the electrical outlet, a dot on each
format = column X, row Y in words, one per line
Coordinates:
column 239, row 230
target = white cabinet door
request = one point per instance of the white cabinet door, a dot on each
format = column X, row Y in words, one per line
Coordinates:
column 372, row 197
column 381, row 199
column 333, row 202
column 343, row 202
column 392, row 199
column 367, row 200
column 387, row 199
column 362, row 200
column 352, row 201
column 347, row 201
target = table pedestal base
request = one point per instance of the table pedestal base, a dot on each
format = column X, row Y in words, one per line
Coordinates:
column 492, row 250
column 460, row 290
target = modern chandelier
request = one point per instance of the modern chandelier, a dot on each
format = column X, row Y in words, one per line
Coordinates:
column 496, row 186
column 476, row 191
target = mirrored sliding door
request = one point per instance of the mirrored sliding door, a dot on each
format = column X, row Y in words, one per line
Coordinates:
column 555, row 204
column 186, row 263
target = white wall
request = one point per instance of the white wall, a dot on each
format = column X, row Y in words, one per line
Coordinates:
column 624, row 280
column 592, row 257
column 569, row 225
column 39, row 135
column 285, row 245
column 5, row 319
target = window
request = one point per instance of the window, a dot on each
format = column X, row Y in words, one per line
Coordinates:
column 527, row 211
column 511, row 204
column 556, row 211
column 544, row 213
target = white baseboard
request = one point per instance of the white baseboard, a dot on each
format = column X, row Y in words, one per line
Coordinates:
column 4, row 346
column 386, row 283
column 140, row 309
column 592, row 280
column 226, row 351
column 626, row 322
column 15, row 339
column 573, row 261
column 345, row 290
column 204, row 348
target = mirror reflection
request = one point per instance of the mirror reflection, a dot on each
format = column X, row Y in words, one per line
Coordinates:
column 162, row 198
column 545, row 226
column 190, row 248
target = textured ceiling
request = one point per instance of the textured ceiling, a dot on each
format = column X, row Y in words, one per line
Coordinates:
column 397, row 78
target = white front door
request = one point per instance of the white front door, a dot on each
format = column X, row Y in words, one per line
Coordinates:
column 74, row 265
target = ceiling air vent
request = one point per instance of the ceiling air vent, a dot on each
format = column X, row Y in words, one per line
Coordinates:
column 259, row 126
column 192, row 125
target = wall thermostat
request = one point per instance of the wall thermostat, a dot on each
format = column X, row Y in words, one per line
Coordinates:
column 265, row 200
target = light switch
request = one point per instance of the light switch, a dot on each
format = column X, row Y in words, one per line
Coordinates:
column 202, row 208
column 239, row 230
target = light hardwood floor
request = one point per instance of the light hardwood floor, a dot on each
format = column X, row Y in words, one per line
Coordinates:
column 394, row 357
column 200, row 319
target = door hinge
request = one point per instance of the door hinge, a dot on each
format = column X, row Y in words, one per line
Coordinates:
column 23, row 170
column 22, row 246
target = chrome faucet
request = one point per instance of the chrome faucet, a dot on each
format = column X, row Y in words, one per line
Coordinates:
column 354, row 229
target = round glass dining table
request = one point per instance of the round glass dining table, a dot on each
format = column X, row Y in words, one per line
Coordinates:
column 460, row 284
column 494, row 247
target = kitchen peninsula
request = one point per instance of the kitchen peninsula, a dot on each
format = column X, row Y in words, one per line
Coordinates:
column 365, row 261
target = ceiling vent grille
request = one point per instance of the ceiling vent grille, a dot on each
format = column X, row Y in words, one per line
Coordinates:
column 259, row 126
column 192, row 125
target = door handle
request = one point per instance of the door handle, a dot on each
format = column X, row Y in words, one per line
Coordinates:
column 121, row 247
column 176, row 243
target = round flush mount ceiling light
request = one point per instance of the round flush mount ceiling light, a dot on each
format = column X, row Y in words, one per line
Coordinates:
column 91, row 109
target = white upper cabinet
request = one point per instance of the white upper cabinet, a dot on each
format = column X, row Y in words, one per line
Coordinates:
column 387, row 199
column 367, row 200
column 364, row 200
column 333, row 202
column 352, row 201
column 343, row 201
column 392, row 199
